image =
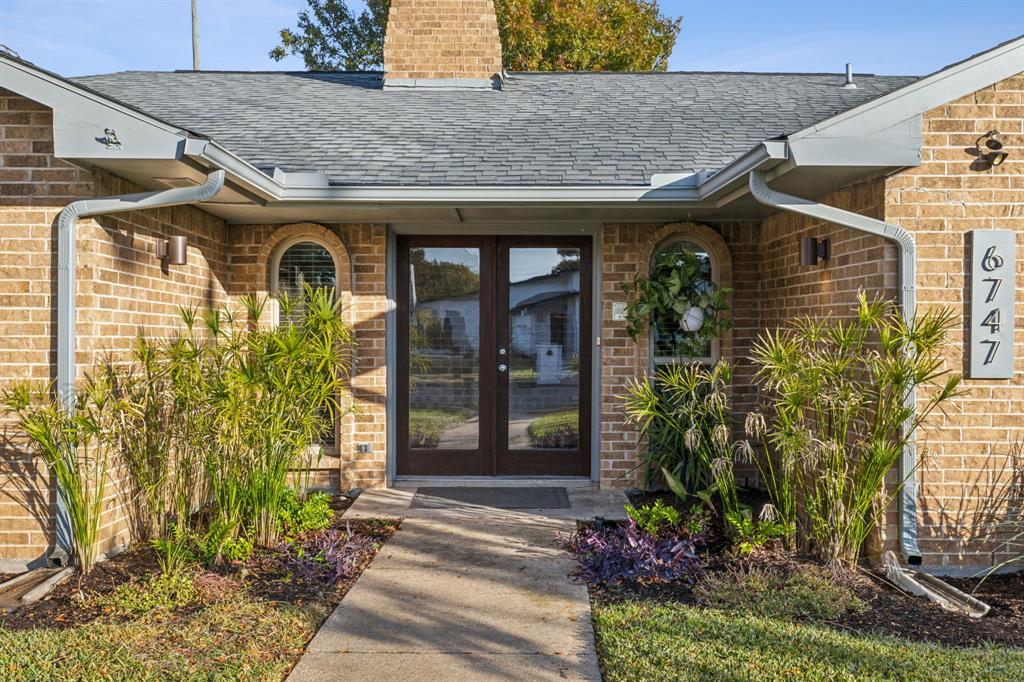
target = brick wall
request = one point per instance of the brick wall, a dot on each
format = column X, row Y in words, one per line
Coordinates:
column 360, row 251
column 627, row 249
column 121, row 289
column 940, row 201
column 33, row 188
column 442, row 39
column 859, row 261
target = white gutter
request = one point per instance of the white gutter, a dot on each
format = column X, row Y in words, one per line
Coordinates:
column 67, row 227
column 905, row 244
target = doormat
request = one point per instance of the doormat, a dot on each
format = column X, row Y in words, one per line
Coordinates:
column 499, row 498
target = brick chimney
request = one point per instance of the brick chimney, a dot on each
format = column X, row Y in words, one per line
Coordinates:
column 442, row 44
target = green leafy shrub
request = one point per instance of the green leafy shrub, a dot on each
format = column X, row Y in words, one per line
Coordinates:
column 684, row 411
column 753, row 533
column 840, row 417
column 698, row 521
column 221, row 543
column 163, row 592
column 301, row 516
column 661, row 299
column 655, row 518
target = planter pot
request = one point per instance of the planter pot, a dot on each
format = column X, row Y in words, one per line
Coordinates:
column 693, row 319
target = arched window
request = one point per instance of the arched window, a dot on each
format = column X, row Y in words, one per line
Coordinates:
column 299, row 264
column 303, row 263
column 665, row 337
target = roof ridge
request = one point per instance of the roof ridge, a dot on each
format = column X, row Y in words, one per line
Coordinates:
column 840, row 74
column 837, row 74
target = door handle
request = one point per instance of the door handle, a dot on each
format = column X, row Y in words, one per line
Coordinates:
column 502, row 368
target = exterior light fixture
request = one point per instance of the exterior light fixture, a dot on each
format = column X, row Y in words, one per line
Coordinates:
column 813, row 249
column 173, row 251
column 989, row 151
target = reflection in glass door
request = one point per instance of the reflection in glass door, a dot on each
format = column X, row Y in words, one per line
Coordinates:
column 493, row 356
column 440, row 334
column 543, row 332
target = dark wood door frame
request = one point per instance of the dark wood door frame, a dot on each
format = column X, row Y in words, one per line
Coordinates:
column 536, row 461
column 492, row 456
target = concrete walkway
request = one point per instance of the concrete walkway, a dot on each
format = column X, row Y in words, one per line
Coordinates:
column 463, row 593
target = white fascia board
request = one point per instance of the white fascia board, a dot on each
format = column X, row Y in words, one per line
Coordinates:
column 947, row 85
column 80, row 118
column 871, row 152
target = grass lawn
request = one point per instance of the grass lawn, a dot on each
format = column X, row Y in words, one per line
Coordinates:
column 760, row 628
column 649, row 641
column 238, row 639
column 247, row 620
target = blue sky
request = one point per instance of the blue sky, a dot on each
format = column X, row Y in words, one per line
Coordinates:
column 77, row 37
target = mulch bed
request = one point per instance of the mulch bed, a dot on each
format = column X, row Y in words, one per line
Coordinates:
column 889, row 611
column 892, row 612
column 260, row 577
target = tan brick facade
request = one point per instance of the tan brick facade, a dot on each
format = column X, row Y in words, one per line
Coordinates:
column 360, row 252
column 122, row 288
column 627, row 249
column 442, row 39
column 940, row 201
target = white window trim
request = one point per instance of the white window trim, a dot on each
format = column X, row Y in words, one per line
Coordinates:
column 275, row 265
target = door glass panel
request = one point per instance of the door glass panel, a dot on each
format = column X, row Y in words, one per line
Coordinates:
column 544, row 379
column 444, row 348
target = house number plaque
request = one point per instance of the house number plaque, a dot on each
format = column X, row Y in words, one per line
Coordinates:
column 993, row 289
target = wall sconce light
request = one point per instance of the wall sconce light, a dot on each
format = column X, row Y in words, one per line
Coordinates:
column 989, row 151
column 813, row 249
column 173, row 251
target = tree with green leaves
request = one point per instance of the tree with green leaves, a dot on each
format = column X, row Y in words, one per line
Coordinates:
column 536, row 35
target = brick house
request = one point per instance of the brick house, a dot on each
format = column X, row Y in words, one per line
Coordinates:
column 535, row 195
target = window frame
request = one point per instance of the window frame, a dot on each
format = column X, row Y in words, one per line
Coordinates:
column 714, row 354
column 275, row 267
column 328, row 449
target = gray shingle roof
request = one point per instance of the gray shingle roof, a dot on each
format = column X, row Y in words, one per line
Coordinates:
column 540, row 129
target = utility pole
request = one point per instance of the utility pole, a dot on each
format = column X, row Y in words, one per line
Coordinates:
column 195, row 35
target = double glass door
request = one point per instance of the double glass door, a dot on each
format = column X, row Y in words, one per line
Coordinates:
column 494, row 349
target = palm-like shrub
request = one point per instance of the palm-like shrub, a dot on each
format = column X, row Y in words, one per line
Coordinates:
column 273, row 392
column 212, row 427
column 683, row 412
column 839, row 416
column 75, row 445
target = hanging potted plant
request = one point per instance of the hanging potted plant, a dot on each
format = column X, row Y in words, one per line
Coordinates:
column 678, row 299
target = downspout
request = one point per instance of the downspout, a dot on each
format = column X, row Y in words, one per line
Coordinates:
column 905, row 244
column 67, row 227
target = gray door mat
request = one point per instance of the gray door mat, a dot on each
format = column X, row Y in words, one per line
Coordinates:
column 500, row 498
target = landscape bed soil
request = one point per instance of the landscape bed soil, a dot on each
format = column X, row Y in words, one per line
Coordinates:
column 887, row 609
column 259, row 577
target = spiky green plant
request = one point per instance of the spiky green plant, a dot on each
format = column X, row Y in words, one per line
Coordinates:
column 838, row 393
column 272, row 392
column 74, row 444
column 683, row 411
